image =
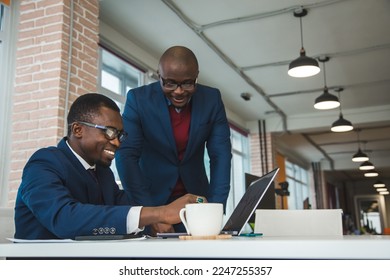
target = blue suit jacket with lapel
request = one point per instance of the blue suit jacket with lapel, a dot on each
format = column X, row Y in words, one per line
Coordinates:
column 147, row 161
column 57, row 198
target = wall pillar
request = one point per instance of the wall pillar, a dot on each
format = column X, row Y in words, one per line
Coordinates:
column 56, row 61
column 263, row 157
column 262, row 150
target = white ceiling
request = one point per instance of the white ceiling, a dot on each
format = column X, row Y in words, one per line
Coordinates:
column 246, row 46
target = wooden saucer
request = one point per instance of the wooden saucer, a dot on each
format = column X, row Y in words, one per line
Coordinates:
column 210, row 237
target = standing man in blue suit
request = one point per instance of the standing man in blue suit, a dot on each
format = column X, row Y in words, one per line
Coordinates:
column 171, row 122
column 70, row 190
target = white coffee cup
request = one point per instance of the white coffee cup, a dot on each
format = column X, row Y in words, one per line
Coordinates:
column 202, row 219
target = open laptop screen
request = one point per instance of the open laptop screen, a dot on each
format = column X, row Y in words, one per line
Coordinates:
column 248, row 203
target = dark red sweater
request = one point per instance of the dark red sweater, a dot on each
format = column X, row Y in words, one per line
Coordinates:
column 181, row 127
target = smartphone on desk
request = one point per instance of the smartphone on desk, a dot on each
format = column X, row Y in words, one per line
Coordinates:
column 108, row 237
column 171, row 234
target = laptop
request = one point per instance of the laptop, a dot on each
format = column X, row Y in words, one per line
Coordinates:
column 245, row 207
column 248, row 204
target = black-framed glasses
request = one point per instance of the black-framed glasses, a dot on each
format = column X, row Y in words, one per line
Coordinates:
column 110, row 132
column 173, row 85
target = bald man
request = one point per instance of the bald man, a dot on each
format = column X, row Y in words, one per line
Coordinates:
column 171, row 122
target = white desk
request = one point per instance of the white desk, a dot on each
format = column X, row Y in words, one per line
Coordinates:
column 346, row 247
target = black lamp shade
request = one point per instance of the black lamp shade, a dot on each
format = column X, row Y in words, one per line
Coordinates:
column 341, row 125
column 303, row 66
column 366, row 166
column 326, row 101
column 359, row 156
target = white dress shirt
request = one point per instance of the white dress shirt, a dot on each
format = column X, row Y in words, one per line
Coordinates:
column 133, row 216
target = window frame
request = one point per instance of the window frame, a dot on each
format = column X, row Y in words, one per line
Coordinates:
column 8, row 37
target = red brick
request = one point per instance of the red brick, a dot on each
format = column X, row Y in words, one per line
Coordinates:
column 23, row 107
column 46, row 133
column 24, row 61
column 51, row 65
column 30, row 33
column 49, row 3
column 32, row 68
column 48, row 112
column 43, row 75
column 54, row 28
column 49, row 141
column 27, row 6
column 30, row 15
column 49, row 38
column 50, row 84
column 24, row 144
column 47, row 20
column 24, row 79
column 46, row 104
column 55, row 9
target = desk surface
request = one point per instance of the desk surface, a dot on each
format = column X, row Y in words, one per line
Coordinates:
column 345, row 247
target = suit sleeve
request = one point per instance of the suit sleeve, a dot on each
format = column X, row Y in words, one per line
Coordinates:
column 128, row 155
column 46, row 191
column 219, row 151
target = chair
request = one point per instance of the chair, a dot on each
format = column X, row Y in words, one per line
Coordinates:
column 7, row 225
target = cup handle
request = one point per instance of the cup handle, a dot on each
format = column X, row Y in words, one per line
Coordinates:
column 183, row 219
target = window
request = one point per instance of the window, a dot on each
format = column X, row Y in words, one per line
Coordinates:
column 297, row 179
column 117, row 77
column 240, row 165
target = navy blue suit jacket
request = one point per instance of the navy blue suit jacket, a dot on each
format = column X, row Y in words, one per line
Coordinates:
column 147, row 161
column 58, row 199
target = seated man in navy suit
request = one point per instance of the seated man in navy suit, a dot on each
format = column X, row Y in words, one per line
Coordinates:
column 70, row 190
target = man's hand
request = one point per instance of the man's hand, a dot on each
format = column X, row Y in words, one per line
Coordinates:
column 167, row 214
column 161, row 228
column 171, row 211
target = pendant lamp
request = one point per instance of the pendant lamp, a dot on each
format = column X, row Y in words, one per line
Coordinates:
column 379, row 184
column 326, row 100
column 366, row 166
column 341, row 125
column 303, row 66
column 371, row 173
column 359, row 156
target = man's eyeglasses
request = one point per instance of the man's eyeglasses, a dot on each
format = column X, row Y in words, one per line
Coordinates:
column 110, row 132
column 172, row 85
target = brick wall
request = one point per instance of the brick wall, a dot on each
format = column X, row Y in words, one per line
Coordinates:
column 42, row 81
